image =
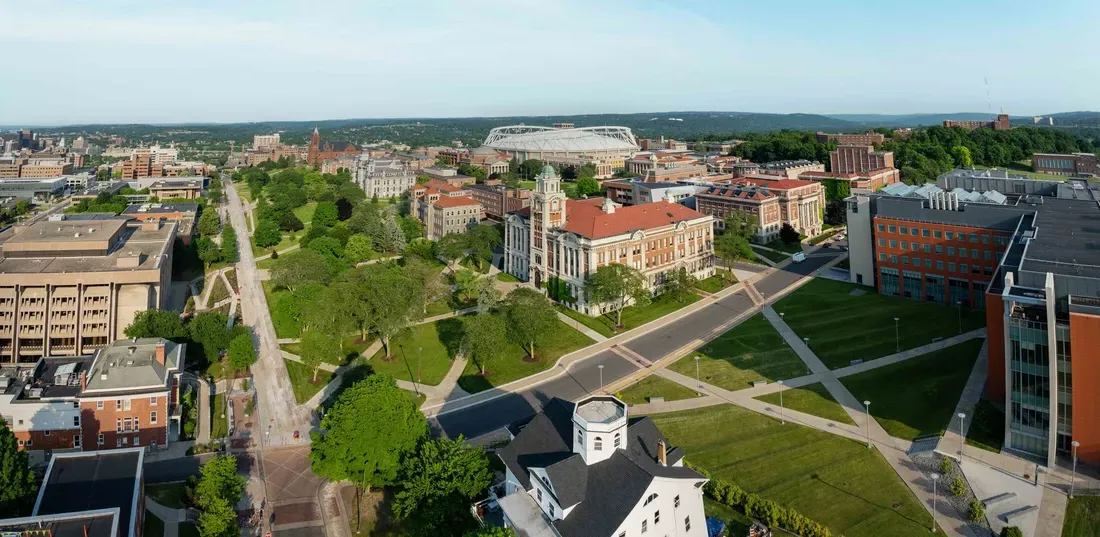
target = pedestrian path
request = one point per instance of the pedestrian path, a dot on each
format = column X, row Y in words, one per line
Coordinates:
column 592, row 334
column 916, row 352
column 281, row 252
column 170, row 516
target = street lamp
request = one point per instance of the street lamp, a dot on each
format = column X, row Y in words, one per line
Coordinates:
column 935, row 478
column 867, row 408
column 960, row 304
column 782, row 419
column 962, row 434
column 806, row 340
column 698, row 382
column 897, row 336
column 1073, row 476
column 601, row 377
column 419, row 359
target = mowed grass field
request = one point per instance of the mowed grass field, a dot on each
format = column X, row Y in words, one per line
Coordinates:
column 917, row 397
column 813, row 399
column 748, row 352
column 843, row 327
column 836, row 481
column 655, row 386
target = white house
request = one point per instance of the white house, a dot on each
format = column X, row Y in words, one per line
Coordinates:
column 586, row 469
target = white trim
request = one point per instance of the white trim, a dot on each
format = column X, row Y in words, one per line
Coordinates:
column 114, row 512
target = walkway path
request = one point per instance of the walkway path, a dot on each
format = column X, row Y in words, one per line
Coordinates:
column 169, row 515
column 281, row 252
column 592, row 334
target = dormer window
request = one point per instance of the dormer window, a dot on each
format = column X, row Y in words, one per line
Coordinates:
column 650, row 499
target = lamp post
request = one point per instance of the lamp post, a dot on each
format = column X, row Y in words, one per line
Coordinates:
column 698, row 383
column 1073, row 476
column 962, row 434
column 867, row 409
column 419, row 359
column 601, row 377
column 935, row 478
column 782, row 419
column 897, row 336
column 960, row 308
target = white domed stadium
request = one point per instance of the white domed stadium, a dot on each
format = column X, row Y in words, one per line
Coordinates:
column 550, row 143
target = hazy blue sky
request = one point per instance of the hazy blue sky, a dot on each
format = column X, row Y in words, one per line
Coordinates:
column 236, row 60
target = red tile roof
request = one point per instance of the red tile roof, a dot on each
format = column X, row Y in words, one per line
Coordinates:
column 455, row 201
column 586, row 218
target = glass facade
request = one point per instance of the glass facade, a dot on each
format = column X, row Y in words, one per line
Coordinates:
column 1065, row 387
column 1029, row 383
column 890, row 284
column 933, row 288
column 911, row 283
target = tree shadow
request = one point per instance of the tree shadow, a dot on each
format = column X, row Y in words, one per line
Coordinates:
column 450, row 332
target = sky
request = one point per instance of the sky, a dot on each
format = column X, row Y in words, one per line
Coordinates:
column 165, row 61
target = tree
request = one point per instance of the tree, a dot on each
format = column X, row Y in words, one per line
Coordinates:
column 267, row 233
column 788, row 235
column 424, row 249
column 1011, row 531
column 344, row 208
column 481, row 240
column 359, row 248
column 484, row 339
column 836, row 213
column 209, row 222
column 741, row 224
column 328, row 246
column 218, row 490
column 18, row 484
column 587, row 186
column 412, row 227
column 588, row 171
column 156, row 323
column 477, row 172
column 392, row 299
column 729, row 247
column 961, row 155
column 319, row 348
column 488, row 296
column 229, row 251
column 439, row 481
column 491, row 531
column 530, row 318
column 242, row 354
column 679, row 283
column 298, row 268
column 208, row 330
column 290, row 223
column 451, row 247
column 218, row 519
column 614, row 285
column 325, row 215
column 366, row 434
column 208, row 251
column 466, row 282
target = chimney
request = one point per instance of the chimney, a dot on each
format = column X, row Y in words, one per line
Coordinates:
column 83, row 380
column 160, row 353
column 608, row 206
column 662, row 454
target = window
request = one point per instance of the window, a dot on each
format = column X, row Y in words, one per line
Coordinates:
column 687, row 523
column 881, row 228
column 973, row 237
column 118, row 425
column 927, row 262
column 538, row 492
column 936, row 234
column 76, row 421
column 916, row 261
column 645, row 524
column 964, row 268
column 676, row 501
column 649, row 499
column 882, row 257
column 949, row 235
column 118, row 404
column 962, row 252
column 580, row 437
column 950, row 267
column 656, row 517
column 939, row 265
column 126, row 404
column 137, row 424
column 904, row 245
column 100, row 439
column 30, row 442
column 618, row 440
column 927, row 248
column 153, row 400
column 76, row 440
column 951, row 250
column 904, row 260
column 985, row 239
column 118, row 442
column 987, row 255
column 903, row 230
column 893, row 229
column 76, row 404
column 45, row 433
column 893, row 243
column 597, row 444
column 99, row 405
column 975, row 269
column 916, row 247
column 913, row 231
column 137, row 442
column 894, row 259
column 882, row 243
column 153, row 417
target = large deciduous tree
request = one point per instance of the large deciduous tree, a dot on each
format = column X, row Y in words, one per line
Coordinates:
column 729, row 247
column 325, row 214
column 298, row 268
column 318, row 348
column 242, row 353
column 587, row 186
column 267, row 233
column 366, row 434
column 788, row 234
column 616, row 284
column 484, row 339
column 156, row 323
column 439, row 481
column 530, row 318
column 218, row 490
column 452, row 247
column 229, row 251
column 679, row 284
column 209, row 222
column 359, row 248
column 18, row 484
column 392, row 299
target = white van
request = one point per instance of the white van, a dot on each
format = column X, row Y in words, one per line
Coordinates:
column 799, row 257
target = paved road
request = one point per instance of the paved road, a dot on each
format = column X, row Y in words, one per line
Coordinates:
column 584, row 377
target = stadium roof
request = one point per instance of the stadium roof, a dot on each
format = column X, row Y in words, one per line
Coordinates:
column 582, row 139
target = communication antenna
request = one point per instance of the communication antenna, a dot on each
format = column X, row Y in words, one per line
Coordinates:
column 988, row 98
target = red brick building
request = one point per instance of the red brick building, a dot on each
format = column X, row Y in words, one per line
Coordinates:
column 867, row 138
column 122, row 396
column 999, row 124
column 859, row 159
column 1072, row 164
column 322, row 150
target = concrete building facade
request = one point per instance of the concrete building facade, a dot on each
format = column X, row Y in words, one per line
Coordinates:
column 1072, row 164
column 499, row 200
column 384, row 178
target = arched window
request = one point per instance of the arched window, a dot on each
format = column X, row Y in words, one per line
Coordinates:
column 580, row 437
column 618, row 440
column 650, row 499
column 598, row 444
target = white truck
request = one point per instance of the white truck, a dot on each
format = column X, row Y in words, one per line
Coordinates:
column 798, row 257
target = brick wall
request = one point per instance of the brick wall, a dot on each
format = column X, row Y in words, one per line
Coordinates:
column 96, row 421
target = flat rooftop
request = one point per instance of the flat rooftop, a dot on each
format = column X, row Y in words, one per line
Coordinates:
column 93, row 524
column 1067, row 241
column 51, row 378
column 145, row 245
column 132, row 363
column 137, row 209
column 90, row 481
column 601, row 410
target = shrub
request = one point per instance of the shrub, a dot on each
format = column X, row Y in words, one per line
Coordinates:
column 958, row 486
column 1011, row 531
column 946, row 467
column 976, row 511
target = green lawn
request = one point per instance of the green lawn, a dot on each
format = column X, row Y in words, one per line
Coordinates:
column 777, row 244
column 505, row 277
column 167, row 494
column 527, row 184
column 655, row 386
column 217, row 293
column 1082, row 517
column 986, row 428
column 301, row 379
column 748, row 352
column 187, row 529
column 431, row 345
column 285, row 326
column 842, row 327
column 917, row 397
column 153, row 527
column 353, row 347
column 305, row 212
column 468, row 263
column 451, row 303
column 813, row 399
column 287, row 241
column 231, row 275
column 775, row 257
column 833, row 480
column 721, row 280
column 219, row 424
column 564, row 340
column 737, row 523
column 633, row 316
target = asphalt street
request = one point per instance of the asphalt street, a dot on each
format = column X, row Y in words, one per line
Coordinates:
column 584, row 377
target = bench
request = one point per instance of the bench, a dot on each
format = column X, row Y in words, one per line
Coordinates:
column 1000, row 498
column 1011, row 516
column 759, row 383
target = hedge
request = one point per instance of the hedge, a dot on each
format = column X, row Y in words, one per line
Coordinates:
column 772, row 514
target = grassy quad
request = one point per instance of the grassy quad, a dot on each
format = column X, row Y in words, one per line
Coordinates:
column 513, row 366
column 748, row 352
column 168, row 494
column 721, row 280
column 843, row 327
column 775, row 257
column 1082, row 517
column 655, row 386
column 353, row 347
column 831, row 479
column 153, row 526
column 429, row 347
column 986, row 428
column 813, row 399
column 305, row 212
column 917, row 397
column 301, row 380
column 633, row 316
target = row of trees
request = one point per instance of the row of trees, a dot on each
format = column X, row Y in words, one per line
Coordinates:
column 206, row 331
column 216, row 495
column 374, row 436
